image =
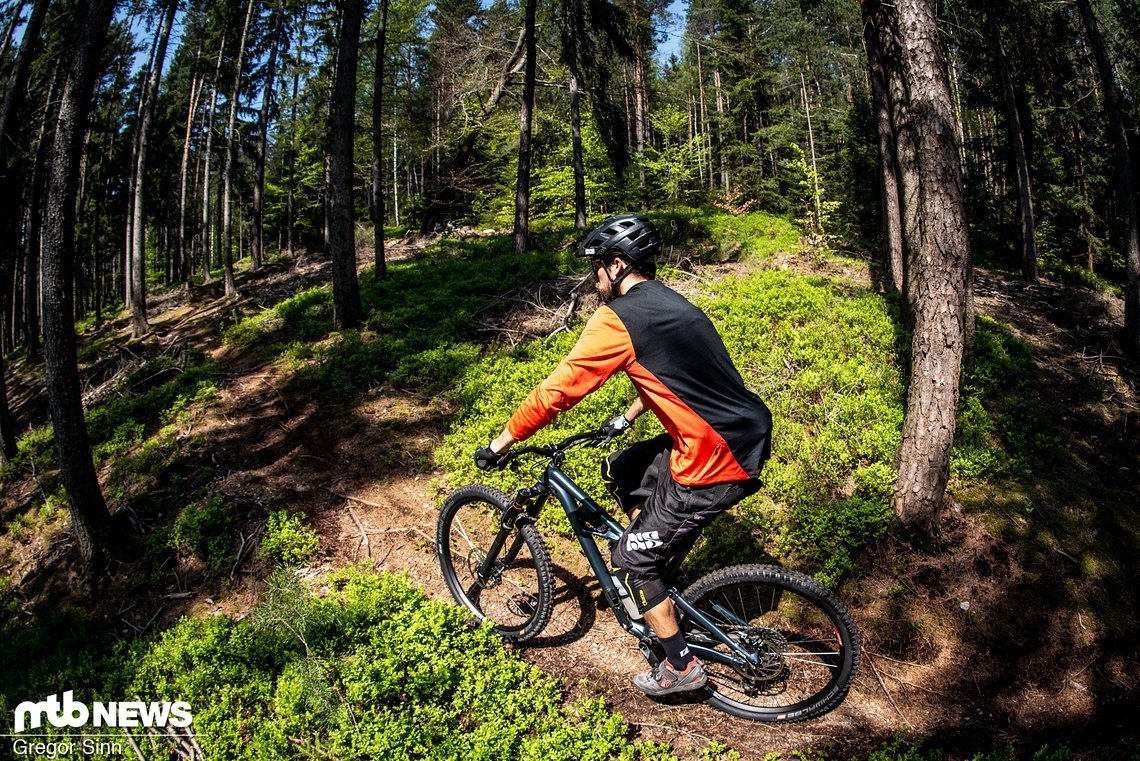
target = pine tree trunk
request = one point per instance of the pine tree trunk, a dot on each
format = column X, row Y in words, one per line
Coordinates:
column 892, row 252
column 702, row 111
column 1125, row 184
column 522, row 186
column 640, row 110
column 182, row 252
column 139, row 324
column 206, row 235
column 377, row 209
column 291, row 162
column 576, row 147
column 816, row 195
column 231, row 157
column 1020, row 155
column 940, row 255
column 90, row 519
column 35, row 231
column 257, row 232
column 724, row 179
column 341, row 237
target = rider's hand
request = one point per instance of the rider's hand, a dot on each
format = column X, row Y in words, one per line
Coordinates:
column 614, row 427
column 487, row 458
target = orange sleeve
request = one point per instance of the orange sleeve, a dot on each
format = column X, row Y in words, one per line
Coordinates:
column 603, row 348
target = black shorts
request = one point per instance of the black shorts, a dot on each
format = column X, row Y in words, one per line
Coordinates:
column 672, row 516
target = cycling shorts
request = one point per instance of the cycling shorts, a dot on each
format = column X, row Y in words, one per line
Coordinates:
column 650, row 552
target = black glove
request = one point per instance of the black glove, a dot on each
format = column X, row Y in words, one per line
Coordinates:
column 488, row 459
column 614, row 427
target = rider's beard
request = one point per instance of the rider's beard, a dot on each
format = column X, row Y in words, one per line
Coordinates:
column 605, row 289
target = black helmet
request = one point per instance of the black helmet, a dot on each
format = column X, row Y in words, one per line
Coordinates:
column 630, row 235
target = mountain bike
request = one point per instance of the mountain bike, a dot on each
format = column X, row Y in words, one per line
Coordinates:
column 777, row 645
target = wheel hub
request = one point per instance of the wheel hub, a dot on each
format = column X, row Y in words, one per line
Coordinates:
column 770, row 671
column 475, row 561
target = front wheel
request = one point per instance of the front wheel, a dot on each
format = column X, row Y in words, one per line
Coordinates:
column 515, row 590
column 804, row 641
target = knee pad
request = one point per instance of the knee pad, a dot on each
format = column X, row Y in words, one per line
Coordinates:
column 646, row 593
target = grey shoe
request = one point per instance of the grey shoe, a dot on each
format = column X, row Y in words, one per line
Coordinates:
column 665, row 680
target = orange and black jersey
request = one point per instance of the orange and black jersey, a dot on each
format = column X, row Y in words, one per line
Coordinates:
column 678, row 363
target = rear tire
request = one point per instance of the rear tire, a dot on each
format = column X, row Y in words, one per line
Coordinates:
column 518, row 597
column 807, row 639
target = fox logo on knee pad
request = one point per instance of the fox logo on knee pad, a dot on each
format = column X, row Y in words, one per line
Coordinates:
column 644, row 540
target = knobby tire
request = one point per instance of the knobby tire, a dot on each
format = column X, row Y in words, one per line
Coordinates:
column 811, row 645
column 519, row 598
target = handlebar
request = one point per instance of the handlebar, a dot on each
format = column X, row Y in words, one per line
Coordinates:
column 554, row 450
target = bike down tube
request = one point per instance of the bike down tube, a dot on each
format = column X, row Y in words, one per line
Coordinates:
column 572, row 498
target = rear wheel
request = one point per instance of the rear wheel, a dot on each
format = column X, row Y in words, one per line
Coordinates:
column 517, row 590
column 804, row 640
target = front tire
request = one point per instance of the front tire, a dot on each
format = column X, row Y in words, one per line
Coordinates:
column 807, row 641
column 518, row 594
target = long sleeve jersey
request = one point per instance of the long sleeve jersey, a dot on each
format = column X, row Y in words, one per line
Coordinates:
column 678, row 363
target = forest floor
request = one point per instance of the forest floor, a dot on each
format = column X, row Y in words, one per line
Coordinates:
column 945, row 655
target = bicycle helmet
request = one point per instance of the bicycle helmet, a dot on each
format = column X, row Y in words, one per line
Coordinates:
column 631, row 236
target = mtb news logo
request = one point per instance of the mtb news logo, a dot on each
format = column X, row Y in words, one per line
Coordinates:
column 70, row 713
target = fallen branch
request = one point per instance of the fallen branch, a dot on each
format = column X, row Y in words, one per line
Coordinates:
column 896, row 660
column 572, row 307
column 871, row 662
column 354, row 499
column 360, row 528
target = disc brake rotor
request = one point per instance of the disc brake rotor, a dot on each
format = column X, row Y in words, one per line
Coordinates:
column 770, row 671
column 475, row 560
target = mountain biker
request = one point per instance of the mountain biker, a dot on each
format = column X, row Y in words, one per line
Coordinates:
column 672, row 486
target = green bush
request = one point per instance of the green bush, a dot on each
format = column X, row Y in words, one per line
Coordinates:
column 288, row 540
column 206, row 530
column 372, row 670
column 1001, row 428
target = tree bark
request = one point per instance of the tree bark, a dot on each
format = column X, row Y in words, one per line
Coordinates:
column 207, row 237
column 257, row 231
column 90, row 519
column 1126, row 187
column 231, row 157
column 347, row 311
column 35, row 231
column 291, row 162
column 182, row 254
column 526, row 110
column 571, row 23
column 892, row 251
column 377, row 209
column 725, row 182
column 576, row 147
column 1028, row 246
column 139, row 324
column 939, row 249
